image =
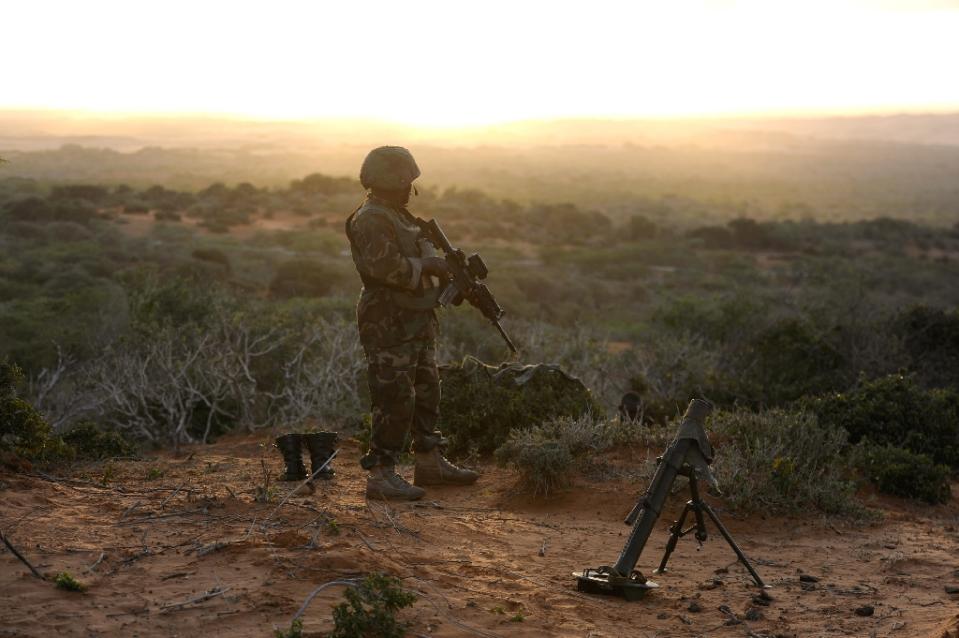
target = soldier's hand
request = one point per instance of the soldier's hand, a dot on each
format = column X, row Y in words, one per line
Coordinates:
column 435, row 267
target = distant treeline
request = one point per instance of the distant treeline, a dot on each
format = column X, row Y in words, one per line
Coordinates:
column 793, row 178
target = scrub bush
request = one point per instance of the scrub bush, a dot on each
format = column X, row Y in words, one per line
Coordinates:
column 370, row 609
column 23, row 430
column 546, row 455
column 482, row 404
column 903, row 473
column 894, row 410
column 781, row 461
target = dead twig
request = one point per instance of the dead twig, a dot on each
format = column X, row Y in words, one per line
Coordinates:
column 20, row 556
column 130, row 509
column 207, row 595
column 347, row 582
column 172, row 496
column 212, row 547
column 94, row 565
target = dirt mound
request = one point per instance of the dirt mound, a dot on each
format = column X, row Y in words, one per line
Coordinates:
column 179, row 546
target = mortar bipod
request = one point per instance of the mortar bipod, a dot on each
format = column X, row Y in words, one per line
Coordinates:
column 697, row 506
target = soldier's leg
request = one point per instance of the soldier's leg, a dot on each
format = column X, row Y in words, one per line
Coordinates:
column 426, row 385
column 391, row 375
column 392, row 396
column 432, row 468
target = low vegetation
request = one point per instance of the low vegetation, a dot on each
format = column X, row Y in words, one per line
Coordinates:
column 482, row 404
column 833, row 336
column 370, row 609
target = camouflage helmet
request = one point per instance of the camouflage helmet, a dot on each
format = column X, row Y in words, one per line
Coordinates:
column 389, row 168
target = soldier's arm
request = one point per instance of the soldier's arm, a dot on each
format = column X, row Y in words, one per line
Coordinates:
column 380, row 251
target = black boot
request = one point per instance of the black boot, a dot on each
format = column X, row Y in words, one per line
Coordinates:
column 321, row 446
column 290, row 446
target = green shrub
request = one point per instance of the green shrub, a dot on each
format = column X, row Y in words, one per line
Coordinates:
column 92, row 442
column 781, row 461
column 903, row 473
column 23, row 430
column 64, row 580
column 213, row 256
column 370, row 609
column 295, row 630
column 545, row 455
column 931, row 337
column 482, row 404
column 787, row 361
column 894, row 410
column 300, row 278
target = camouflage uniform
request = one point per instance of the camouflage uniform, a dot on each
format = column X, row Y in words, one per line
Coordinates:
column 398, row 327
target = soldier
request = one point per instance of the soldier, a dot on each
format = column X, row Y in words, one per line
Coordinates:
column 401, row 274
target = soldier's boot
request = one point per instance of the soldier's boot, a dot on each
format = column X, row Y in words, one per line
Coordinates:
column 432, row 468
column 384, row 483
column 320, row 446
column 290, row 446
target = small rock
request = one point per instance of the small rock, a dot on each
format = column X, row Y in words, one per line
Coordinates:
column 721, row 570
column 662, row 615
column 808, row 578
column 753, row 614
column 952, row 589
column 685, row 620
column 865, row 610
column 695, row 607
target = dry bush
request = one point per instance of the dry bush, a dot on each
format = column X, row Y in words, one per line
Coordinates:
column 781, row 461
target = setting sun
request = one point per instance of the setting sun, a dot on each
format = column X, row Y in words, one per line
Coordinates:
column 448, row 63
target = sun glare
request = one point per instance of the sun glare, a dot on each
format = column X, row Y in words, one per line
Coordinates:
column 447, row 64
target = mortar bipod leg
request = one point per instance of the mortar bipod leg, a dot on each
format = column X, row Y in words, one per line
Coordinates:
column 697, row 506
column 732, row 543
column 676, row 532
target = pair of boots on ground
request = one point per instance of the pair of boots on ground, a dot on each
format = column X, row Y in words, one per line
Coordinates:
column 431, row 468
column 320, row 446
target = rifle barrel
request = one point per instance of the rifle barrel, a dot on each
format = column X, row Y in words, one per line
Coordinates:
column 509, row 342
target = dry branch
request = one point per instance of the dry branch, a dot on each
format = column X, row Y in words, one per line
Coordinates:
column 207, row 595
column 94, row 565
column 20, row 556
column 350, row 582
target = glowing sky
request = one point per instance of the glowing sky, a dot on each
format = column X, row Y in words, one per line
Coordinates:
column 445, row 62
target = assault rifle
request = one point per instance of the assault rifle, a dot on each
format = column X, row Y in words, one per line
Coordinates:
column 466, row 275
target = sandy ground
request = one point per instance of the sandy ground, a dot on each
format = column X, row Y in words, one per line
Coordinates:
column 145, row 545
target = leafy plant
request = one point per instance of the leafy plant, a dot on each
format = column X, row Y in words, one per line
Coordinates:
column 23, row 430
column 546, row 455
column 92, row 442
column 482, row 404
column 783, row 461
column 903, row 473
column 295, row 630
column 894, row 410
column 370, row 609
column 65, row 581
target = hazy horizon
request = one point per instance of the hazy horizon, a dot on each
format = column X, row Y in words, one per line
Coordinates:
column 437, row 64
